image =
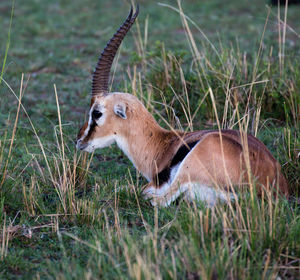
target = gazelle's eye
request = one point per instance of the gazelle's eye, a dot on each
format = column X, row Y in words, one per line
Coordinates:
column 96, row 114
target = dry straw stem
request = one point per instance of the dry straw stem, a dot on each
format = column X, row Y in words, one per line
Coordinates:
column 198, row 58
column 65, row 187
column 13, row 134
column 257, row 60
column 4, row 239
column 67, row 180
column 33, row 128
column 8, row 40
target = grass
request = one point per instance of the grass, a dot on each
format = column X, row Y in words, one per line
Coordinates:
column 67, row 215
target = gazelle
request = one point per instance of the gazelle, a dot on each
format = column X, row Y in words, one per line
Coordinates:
column 201, row 164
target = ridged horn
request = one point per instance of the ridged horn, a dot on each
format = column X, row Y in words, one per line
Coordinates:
column 102, row 71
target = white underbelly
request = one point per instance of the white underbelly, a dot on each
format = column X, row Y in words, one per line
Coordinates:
column 207, row 194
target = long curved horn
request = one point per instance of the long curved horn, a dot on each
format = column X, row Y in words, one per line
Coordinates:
column 102, row 71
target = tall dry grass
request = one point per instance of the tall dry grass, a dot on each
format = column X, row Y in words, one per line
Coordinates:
column 250, row 237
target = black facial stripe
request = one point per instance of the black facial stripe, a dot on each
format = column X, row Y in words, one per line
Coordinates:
column 92, row 129
column 164, row 175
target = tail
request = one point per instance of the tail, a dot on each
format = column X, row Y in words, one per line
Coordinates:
column 282, row 182
column 283, row 185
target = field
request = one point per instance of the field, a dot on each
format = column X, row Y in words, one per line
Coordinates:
column 195, row 65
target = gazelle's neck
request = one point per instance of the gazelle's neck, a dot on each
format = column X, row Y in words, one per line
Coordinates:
column 146, row 144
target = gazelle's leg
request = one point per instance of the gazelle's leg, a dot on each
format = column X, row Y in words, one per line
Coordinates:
column 168, row 193
column 189, row 172
column 192, row 190
column 201, row 170
column 148, row 190
column 171, row 190
column 151, row 190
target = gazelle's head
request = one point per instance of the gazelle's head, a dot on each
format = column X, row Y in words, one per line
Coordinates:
column 108, row 111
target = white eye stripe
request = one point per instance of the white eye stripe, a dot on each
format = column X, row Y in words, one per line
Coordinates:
column 99, row 122
column 86, row 131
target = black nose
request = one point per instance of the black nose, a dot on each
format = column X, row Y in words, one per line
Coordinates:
column 78, row 144
column 81, row 146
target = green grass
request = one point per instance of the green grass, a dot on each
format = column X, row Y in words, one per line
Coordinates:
column 65, row 215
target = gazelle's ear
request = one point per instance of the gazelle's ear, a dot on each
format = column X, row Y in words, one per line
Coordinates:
column 120, row 110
